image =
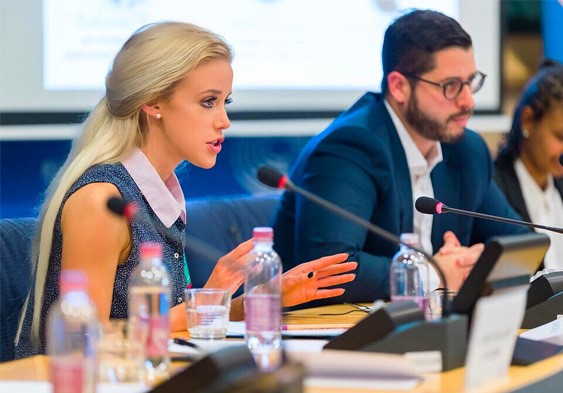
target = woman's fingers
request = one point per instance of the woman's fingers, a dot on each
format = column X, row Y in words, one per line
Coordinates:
column 234, row 260
column 335, row 280
column 319, row 282
column 327, row 293
column 304, row 288
column 228, row 273
column 318, row 264
column 337, row 269
column 240, row 251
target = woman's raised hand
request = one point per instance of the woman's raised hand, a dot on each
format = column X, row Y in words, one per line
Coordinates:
column 229, row 270
column 306, row 281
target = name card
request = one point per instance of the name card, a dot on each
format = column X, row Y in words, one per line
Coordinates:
column 496, row 321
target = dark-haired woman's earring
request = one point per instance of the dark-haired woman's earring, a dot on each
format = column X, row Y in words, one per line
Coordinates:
column 158, row 116
column 525, row 133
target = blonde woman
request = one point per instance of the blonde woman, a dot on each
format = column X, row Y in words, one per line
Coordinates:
column 165, row 102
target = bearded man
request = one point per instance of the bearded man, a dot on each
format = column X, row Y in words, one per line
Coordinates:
column 388, row 149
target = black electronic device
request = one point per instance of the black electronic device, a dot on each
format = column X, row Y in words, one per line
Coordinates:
column 545, row 299
column 233, row 370
column 506, row 261
column 543, row 304
column 400, row 327
column 216, row 372
column 545, row 286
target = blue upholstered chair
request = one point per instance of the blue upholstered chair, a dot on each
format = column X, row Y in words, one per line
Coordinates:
column 215, row 227
column 15, row 272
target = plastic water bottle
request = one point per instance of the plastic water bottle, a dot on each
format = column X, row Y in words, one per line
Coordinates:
column 408, row 274
column 72, row 335
column 262, row 301
column 149, row 312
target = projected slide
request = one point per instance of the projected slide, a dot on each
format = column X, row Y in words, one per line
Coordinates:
column 315, row 56
column 278, row 44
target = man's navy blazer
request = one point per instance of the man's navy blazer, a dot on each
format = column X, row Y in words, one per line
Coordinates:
column 359, row 164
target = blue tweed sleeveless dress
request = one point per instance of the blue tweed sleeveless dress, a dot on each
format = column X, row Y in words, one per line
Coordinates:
column 150, row 229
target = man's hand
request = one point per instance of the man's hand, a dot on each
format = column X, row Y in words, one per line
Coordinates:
column 456, row 260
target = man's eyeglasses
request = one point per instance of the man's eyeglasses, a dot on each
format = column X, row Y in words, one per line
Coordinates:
column 453, row 88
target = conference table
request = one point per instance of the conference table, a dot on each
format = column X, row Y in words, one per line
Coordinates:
column 520, row 378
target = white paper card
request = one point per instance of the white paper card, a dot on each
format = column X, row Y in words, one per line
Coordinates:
column 494, row 329
column 356, row 369
column 47, row 387
column 237, row 329
column 551, row 332
column 210, row 346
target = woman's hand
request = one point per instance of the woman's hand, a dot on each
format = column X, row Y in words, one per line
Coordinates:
column 303, row 283
column 229, row 270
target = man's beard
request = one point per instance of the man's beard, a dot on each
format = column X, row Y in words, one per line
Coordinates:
column 429, row 128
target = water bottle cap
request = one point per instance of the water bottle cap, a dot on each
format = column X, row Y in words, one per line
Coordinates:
column 263, row 233
column 151, row 250
column 410, row 239
column 72, row 280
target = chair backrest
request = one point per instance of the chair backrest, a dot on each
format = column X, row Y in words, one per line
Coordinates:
column 216, row 226
column 15, row 274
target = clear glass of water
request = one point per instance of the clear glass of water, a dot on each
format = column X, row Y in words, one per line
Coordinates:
column 435, row 303
column 208, row 312
column 120, row 355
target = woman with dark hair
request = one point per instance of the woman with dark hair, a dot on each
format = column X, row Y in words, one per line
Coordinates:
column 528, row 167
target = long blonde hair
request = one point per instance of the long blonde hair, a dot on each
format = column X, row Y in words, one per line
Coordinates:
column 149, row 66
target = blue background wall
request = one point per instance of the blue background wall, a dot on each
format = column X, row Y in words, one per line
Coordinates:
column 28, row 167
column 552, row 29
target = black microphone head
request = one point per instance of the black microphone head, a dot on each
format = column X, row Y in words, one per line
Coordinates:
column 427, row 205
column 561, row 159
column 118, row 206
column 271, row 177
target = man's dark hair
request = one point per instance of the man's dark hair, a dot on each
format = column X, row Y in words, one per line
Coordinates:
column 412, row 39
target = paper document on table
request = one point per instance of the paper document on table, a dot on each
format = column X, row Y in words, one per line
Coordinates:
column 47, row 387
column 237, row 329
column 352, row 369
column 330, row 368
column 551, row 332
column 204, row 347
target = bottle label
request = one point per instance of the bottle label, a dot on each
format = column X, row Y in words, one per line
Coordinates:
column 67, row 376
column 159, row 330
column 262, row 312
column 422, row 301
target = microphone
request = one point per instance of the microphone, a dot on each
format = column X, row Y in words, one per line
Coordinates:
column 121, row 208
column 130, row 211
column 398, row 327
column 427, row 205
column 561, row 159
column 275, row 179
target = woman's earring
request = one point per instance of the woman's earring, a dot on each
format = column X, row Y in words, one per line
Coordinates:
column 525, row 133
column 158, row 116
